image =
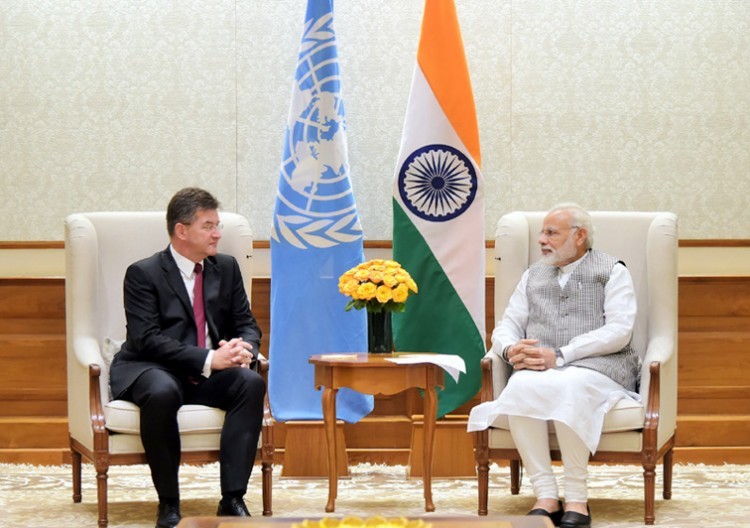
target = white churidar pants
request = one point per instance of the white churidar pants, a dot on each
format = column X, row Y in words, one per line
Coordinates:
column 575, row 400
column 536, row 458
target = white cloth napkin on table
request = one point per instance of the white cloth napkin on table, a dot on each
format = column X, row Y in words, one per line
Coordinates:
column 451, row 363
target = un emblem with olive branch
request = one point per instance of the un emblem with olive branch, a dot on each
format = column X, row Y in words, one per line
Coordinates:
column 315, row 205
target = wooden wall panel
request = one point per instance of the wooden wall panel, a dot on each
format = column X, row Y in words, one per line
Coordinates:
column 260, row 303
column 714, row 332
column 32, row 298
column 33, row 395
column 714, row 373
column 32, row 343
column 703, row 400
column 714, row 296
column 33, row 361
column 713, row 408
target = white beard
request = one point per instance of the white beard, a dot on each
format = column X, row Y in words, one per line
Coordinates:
column 562, row 254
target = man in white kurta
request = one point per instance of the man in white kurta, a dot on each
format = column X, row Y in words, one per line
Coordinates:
column 566, row 332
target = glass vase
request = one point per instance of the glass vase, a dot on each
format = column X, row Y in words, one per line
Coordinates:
column 379, row 332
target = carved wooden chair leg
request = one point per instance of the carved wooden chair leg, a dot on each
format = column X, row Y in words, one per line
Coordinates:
column 482, row 456
column 483, row 471
column 649, row 490
column 267, row 470
column 515, row 477
column 101, row 492
column 668, row 460
column 76, row 464
column 267, row 449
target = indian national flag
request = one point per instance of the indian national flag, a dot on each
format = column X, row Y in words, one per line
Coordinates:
column 438, row 208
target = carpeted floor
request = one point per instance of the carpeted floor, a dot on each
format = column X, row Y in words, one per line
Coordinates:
column 703, row 496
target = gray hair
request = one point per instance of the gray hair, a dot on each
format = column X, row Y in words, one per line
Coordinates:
column 580, row 218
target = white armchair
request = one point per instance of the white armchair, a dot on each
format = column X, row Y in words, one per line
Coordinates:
column 98, row 249
column 633, row 433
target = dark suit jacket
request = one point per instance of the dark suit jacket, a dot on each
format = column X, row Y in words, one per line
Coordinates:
column 161, row 331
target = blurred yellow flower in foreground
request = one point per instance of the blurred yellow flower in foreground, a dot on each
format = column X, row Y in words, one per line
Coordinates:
column 357, row 522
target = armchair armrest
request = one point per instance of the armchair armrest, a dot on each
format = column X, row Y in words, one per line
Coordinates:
column 658, row 433
column 658, row 388
column 263, row 367
column 96, row 409
column 660, row 350
column 486, row 365
column 267, row 449
column 495, row 374
column 84, row 355
column 87, row 351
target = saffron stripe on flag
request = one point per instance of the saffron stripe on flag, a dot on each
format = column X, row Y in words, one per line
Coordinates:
column 438, row 207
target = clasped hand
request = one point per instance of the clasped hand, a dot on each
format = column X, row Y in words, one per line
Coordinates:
column 233, row 353
column 527, row 355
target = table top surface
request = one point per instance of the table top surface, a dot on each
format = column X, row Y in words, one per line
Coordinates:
column 437, row 521
column 363, row 359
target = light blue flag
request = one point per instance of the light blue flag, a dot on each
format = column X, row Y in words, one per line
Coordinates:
column 316, row 235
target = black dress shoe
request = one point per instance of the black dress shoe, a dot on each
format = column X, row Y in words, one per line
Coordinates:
column 169, row 515
column 233, row 506
column 555, row 516
column 571, row 519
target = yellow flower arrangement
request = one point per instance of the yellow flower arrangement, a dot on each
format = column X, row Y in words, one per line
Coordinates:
column 358, row 522
column 378, row 286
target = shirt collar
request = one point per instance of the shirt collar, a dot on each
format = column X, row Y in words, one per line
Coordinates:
column 569, row 268
column 184, row 264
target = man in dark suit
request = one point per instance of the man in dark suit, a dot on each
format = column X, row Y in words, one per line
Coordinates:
column 169, row 359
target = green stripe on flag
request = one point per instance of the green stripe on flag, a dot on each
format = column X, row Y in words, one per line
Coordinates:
column 436, row 319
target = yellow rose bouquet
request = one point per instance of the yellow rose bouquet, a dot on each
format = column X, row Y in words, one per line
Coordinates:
column 358, row 522
column 378, row 286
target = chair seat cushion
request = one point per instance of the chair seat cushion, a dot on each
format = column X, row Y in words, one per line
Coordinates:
column 626, row 415
column 124, row 417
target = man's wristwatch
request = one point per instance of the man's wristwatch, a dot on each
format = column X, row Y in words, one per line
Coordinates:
column 559, row 359
column 504, row 354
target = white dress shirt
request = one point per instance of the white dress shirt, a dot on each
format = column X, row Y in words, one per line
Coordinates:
column 187, row 272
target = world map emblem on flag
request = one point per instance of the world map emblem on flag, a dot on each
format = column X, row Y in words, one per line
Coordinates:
column 316, row 235
column 318, row 208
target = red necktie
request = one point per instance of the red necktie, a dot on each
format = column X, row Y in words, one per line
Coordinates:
column 198, row 307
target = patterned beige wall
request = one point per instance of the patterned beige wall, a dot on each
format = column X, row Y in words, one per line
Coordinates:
column 619, row 104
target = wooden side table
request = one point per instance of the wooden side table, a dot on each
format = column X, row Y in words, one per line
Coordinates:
column 373, row 374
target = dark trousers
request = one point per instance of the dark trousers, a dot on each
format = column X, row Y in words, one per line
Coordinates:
column 159, row 394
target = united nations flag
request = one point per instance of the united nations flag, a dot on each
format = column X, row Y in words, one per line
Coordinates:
column 316, row 234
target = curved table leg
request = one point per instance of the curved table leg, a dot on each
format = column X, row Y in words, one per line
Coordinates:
column 430, row 412
column 329, row 421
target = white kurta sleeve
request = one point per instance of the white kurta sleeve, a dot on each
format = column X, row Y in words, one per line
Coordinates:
column 512, row 326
